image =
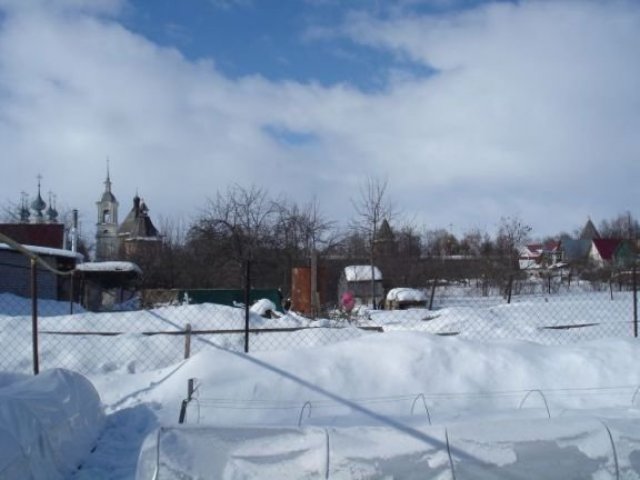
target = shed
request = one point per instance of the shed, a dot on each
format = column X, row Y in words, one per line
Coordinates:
column 15, row 271
column 303, row 300
column 360, row 280
column 108, row 285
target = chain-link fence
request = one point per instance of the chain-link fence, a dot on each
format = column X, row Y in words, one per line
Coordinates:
column 40, row 333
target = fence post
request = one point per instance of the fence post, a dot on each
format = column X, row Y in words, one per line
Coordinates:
column 190, row 388
column 247, row 287
column 185, row 403
column 34, row 316
column 183, row 412
column 635, row 301
column 71, row 285
column 509, row 288
column 433, row 292
column 611, row 287
column 187, row 341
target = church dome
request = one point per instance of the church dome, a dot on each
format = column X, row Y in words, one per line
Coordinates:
column 52, row 214
column 38, row 204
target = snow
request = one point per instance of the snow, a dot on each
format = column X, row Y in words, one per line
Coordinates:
column 112, row 266
column 406, row 295
column 360, row 273
column 263, row 306
column 15, row 305
column 502, row 398
column 53, row 252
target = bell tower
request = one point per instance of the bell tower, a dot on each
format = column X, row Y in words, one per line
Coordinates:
column 107, row 243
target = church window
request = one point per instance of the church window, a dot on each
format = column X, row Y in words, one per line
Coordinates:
column 106, row 216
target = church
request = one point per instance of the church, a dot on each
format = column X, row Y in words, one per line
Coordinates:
column 117, row 241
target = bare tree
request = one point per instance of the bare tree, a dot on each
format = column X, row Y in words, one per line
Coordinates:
column 624, row 225
column 440, row 243
column 237, row 222
column 475, row 243
column 164, row 266
column 409, row 242
column 372, row 207
column 512, row 234
column 300, row 231
column 10, row 212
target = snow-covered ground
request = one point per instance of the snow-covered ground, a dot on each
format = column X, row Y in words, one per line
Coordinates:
column 503, row 398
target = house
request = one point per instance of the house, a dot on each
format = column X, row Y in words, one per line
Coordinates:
column 364, row 282
column 540, row 255
column 575, row 250
column 49, row 235
column 38, row 232
column 529, row 257
column 614, row 252
column 589, row 231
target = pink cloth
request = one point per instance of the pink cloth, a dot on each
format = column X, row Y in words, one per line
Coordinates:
column 348, row 301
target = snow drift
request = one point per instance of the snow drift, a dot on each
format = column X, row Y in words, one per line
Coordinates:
column 48, row 424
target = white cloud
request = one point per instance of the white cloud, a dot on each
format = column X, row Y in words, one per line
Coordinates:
column 539, row 95
column 534, row 111
column 110, row 7
column 229, row 4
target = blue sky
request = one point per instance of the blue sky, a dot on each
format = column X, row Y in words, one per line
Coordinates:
column 471, row 110
column 280, row 40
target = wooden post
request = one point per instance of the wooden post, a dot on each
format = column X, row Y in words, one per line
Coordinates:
column 34, row 316
column 190, row 389
column 509, row 288
column 183, row 411
column 187, row 341
column 185, row 403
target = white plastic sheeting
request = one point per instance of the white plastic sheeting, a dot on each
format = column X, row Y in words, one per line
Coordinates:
column 48, row 424
column 561, row 448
